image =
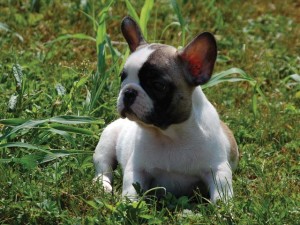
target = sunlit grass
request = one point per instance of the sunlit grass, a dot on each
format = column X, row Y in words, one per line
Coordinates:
column 59, row 70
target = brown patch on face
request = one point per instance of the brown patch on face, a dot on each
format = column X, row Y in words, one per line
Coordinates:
column 234, row 154
column 173, row 103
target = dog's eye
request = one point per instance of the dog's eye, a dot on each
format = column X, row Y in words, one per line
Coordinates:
column 123, row 76
column 160, row 86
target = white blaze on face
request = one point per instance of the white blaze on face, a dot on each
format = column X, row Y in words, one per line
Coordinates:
column 142, row 104
column 134, row 63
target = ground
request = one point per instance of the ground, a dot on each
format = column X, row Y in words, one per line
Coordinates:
column 51, row 67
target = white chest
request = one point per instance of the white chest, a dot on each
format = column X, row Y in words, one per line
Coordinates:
column 152, row 153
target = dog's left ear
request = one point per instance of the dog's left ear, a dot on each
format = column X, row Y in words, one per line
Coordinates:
column 199, row 57
column 132, row 33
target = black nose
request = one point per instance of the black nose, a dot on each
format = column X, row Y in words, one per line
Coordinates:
column 129, row 97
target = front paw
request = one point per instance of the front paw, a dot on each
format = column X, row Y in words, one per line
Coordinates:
column 222, row 195
column 107, row 187
column 106, row 184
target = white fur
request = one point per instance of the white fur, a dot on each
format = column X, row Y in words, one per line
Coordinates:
column 142, row 104
column 134, row 63
column 175, row 158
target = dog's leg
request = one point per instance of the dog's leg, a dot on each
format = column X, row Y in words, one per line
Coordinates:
column 134, row 177
column 105, row 157
column 219, row 182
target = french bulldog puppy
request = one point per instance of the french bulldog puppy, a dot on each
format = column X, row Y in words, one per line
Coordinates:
column 169, row 135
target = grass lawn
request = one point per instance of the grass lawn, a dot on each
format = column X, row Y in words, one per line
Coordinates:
column 59, row 80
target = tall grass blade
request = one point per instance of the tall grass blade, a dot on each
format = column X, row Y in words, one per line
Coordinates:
column 23, row 145
column 145, row 15
column 42, row 156
column 99, row 77
column 132, row 11
column 92, row 18
column 29, row 124
column 71, row 129
column 181, row 20
column 101, row 30
column 223, row 77
column 114, row 53
column 13, row 121
column 75, row 120
column 56, row 119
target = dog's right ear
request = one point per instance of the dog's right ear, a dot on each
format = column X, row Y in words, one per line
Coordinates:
column 199, row 57
column 132, row 33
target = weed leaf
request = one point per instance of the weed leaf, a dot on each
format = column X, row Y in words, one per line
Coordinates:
column 71, row 129
column 145, row 15
column 13, row 121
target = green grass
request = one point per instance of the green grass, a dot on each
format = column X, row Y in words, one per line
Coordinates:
column 59, row 81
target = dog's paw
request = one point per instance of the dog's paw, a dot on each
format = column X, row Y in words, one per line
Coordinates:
column 105, row 183
column 131, row 198
column 221, row 196
column 107, row 187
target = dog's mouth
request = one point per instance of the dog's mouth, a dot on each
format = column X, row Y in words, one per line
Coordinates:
column 127, row 112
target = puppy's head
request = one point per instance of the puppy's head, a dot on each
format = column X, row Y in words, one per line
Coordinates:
column 158, row 80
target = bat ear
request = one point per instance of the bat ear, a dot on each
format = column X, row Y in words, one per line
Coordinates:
column 132, row 33
column 199, row 58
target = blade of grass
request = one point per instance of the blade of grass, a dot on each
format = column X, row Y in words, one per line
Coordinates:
column 182, row 22
column 167, row 27
column 65, row 134
column 80, row 36
column 223, row 77
column 75, row 120
column 145, row 15
column 92, row 18
column 13, row 121
column 132, row 11
column 61, row 153
column 4, row 27
column 23, row 145
column 101, row 30
column 29, row 124
column 43, row 156
column 71, row 129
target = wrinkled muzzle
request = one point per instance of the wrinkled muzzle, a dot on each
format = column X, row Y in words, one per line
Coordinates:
column 134, row 103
